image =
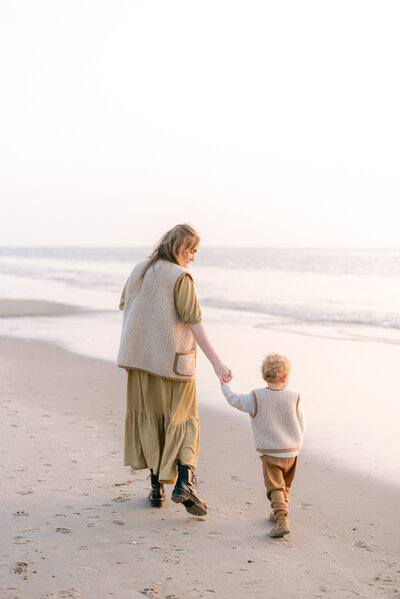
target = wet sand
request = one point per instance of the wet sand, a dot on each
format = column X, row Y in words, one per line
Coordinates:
column 17, row 307
column 76, row 523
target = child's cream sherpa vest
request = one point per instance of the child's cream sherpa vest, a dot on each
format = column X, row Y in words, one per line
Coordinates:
column 153, row 338
column 276, row 428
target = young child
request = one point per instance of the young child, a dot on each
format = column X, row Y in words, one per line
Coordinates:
column 278, row 424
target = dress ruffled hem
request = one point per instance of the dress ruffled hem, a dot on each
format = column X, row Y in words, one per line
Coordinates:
column 150, row 443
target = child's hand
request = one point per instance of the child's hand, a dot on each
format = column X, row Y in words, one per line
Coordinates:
column 227, row 378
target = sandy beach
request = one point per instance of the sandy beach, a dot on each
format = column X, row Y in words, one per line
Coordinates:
column 76, row 523
column 238, row 159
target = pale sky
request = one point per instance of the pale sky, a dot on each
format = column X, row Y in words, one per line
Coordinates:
column 261, row 123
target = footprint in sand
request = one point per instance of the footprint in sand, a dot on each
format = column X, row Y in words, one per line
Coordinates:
column 150, row 592
column 122, row 498
column 64, row 530
column 22, row 568
column 364, row 545
column 9, row 593
column 67, row 594
column 21, row 540
column 387, row 584
column 127, row 482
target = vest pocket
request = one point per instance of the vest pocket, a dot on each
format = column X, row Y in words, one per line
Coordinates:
column 185, row 363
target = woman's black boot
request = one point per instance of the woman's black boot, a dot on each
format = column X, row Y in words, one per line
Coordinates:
column 157, row 493
column 185, row 492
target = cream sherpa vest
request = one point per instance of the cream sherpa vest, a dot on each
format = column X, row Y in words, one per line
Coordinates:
column 153, row 338
column 276, row 428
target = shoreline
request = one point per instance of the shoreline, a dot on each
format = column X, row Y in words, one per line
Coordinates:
column 68, row 501
column 330, row 372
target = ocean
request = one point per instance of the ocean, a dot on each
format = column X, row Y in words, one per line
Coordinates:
column 333, row 295
column 350, row 287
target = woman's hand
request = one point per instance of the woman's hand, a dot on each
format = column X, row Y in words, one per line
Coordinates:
column 223, row 372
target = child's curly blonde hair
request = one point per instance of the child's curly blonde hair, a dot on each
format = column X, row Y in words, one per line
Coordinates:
column 274, row 368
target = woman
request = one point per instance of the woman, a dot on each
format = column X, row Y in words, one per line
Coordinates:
column 161, row 329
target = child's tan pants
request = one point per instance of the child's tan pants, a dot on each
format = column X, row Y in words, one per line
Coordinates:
column 278, row 477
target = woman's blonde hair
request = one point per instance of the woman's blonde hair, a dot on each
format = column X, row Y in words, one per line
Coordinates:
column 177, row 239
column 274, row 368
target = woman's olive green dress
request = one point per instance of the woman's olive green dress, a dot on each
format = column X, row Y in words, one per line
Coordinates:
column 162, row 425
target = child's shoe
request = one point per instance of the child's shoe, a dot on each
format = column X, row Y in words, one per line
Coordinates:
column 272, row 517
column 281, row 527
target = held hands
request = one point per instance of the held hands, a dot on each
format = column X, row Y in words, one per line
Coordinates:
column 223, row 372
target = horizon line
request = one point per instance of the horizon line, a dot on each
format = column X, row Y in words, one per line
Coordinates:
column 203, row 246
